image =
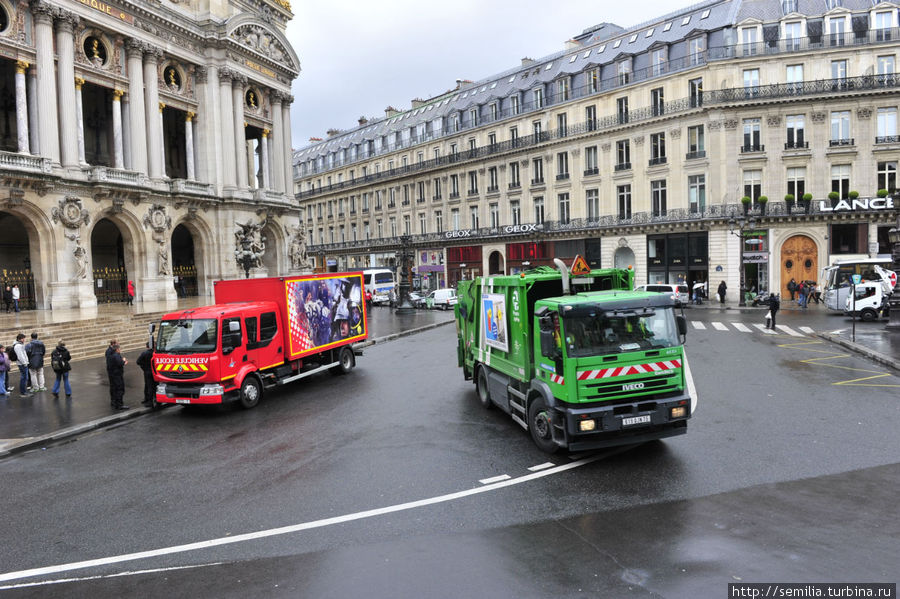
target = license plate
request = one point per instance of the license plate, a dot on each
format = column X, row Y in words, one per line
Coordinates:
column 182, row 401
column 636, row 420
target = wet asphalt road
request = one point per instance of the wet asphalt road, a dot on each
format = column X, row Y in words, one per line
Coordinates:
column 789, row 472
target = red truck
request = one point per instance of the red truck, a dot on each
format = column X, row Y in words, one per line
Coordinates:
column 260, row 333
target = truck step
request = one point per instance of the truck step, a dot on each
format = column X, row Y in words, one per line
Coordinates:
column 521, row 422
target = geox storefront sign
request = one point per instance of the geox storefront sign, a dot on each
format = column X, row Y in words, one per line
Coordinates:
column 857, row 204
column 507, row 230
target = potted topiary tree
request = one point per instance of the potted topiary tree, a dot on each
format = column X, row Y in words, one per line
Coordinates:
column 854, row 195
column 789, row 202
column 746, row 202
column 882, row 193
column 807, row 201
column 763, row 200
column 835, row 197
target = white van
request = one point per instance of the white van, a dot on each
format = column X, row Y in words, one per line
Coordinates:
column 678, row 291
column 444, row 299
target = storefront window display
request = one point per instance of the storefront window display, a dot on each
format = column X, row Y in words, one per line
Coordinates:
column 756, row 260
column 678, row 258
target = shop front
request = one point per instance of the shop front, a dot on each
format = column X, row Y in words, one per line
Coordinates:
column 756, row 261
column 681, row 258
column 529, row 254
column 463, row 264
column 428, row 273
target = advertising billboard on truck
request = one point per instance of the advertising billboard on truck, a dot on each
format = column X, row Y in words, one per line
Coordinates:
column 324, row 312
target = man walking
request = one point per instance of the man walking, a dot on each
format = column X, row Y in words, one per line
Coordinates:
column 774, row 305
column 35, row 351
column 145, row 361
column 22, row 361
column 59, row 361
column 115, row 368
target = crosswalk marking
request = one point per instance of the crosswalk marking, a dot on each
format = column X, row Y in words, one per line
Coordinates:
column 763, row 328
column 789, row 330
column 741, row 327
column 719, row 326
column 698, row 325
column 808, row 330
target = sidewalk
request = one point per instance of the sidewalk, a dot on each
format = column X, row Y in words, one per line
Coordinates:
column 36, row 421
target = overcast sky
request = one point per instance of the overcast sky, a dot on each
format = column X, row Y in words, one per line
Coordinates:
column 359, row 56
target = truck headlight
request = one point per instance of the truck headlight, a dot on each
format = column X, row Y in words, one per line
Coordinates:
column 586, row 426
column 679, row 412
column 212, row 390
column 161, row 388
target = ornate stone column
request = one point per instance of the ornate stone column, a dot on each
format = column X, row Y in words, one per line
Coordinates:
column 275, row 98
column 199, row 126
column 237, row 104
column 162, row 140
column 22, row 107
column 229, row 178
column 287, row 163
column 48, row 125
column 31, row 82
column 264, row 158
column 65, row 70
column 152, row 119
column 137, row 138
column 189, row 145
column 118, row 157
column 79, row 120
column 126, row 132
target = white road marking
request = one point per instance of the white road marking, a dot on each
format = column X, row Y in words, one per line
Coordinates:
column 789, row 330
column 272, row 532
column 808, row 330
column 720, row 326
column 698, row 325
column 741, row 327
column 495, row 479
column 763, row 328
column 543, row 466
column 102, row 576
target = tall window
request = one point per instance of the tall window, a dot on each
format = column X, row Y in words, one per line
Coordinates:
column 657, row 101
column 494, row 111
column 658, row 61
column 536, row 130
column 590, row 161
column 539, row 210
column 836, row 30
column 695, row 90
column 623, row 154
column 438, row 221
column 537, row 171
column 840, row 179
column 514, row 136
column 753, row 184
column 839, row 71
column 696, row 142
column 794, row 78
column 792, row 34
column 887, row 124
column 796, row 181
column 473, row 117
column 563, row 201
column 562, row 128
column 423, row 227
column 751, row 82
column 514, row 175
column 623, row 200
column 538, row 95
column 695, row 50
column 515, row 212
column 796, row 131
column 887, row 176
column 883, row 22
column 657, row 148
column 623, row 71
column 885, row 65
column 393, row 221
column 751, row 136
column 473, row 182
column 590, row 117
column 622, row 109
column 593, row 79
column 562, row 90
column 658, row 197
column 840, row 128
column 454, row 186
column 562, row 166
column 495, row 215
column 592, row 200
column 420, row 191
column 473, row 216
column 454, row 219
column 697, row 193
column 406, row 225
column 748, row 41
column 514, row 105
column 436, row 186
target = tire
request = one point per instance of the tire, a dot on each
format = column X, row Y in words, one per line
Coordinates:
column 540, row 427
column 482, row 389
column 868, row 315
column 251, row 392
column 346, row 361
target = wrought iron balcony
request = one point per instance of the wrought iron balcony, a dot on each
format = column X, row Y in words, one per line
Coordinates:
column 562, row 176
column 657, row 161
column 537, row 181
column 515, row 185
column 887, row 139
column 493, row 189
column 694, row 155
column 841, row 142
column 749, row 149
column 590, row 172
column 623, row 166
column 796, row 145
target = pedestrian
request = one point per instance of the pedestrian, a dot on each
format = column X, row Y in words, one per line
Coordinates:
column 59, row 362
column 814, row 292
column 22, row 361
column 130, row 300
column 392, row 298
column 115, row 368
column 15, row 297
column 7, row 297
column 792, row 287
column 145, row 361
column 35, row 350
column 4, row 368
column 774, row 305
column 723, row 288
column 801, row 294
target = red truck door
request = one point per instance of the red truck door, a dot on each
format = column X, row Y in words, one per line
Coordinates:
column 264, row 343
column 234, row 354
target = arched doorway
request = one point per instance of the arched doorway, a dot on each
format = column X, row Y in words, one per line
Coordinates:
column 184, row 265
column 15, row 259
column 110, row 269
column 272, row 259
column 496, row 264
column 624, row 257
column 799, row 261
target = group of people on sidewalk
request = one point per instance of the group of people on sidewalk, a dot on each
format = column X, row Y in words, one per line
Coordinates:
column 29, row 357
column 805, row 291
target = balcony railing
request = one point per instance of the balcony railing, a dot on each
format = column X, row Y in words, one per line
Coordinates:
column 657, row 161
column 841, row 142
column 493, row 189
column 623, row 166
column 515, row 185
column 749, row 149
column 796, row 145
column 537, row 181
column 562, row 176
column 590, row 172
column 694, row 155
column 887, row 139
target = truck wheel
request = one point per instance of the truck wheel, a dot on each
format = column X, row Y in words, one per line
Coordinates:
column 868, row 314
column 481, row 386
column 251, row 392
column 346, row 362
column 540, row 426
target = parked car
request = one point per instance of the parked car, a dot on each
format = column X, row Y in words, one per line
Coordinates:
column 444, row 299
column 417, row 299
column 678, row 291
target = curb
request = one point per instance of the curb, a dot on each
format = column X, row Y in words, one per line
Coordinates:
column 862, row 350
column 80, row 429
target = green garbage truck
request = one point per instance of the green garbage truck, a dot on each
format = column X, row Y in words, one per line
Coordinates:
column 579, row 359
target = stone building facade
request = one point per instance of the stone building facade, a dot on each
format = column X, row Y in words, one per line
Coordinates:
column 145, row 141
column 636, row 147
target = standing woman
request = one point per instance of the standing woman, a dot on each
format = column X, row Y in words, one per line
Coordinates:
column 130, row 293
column 721, row 291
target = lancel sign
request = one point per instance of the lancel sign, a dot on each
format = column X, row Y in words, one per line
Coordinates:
column 857, row 204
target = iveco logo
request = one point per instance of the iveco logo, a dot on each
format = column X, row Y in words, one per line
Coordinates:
column 632, row 386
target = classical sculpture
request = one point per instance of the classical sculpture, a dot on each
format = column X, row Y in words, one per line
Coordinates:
column 250, row 243
column 299, row 259
column 80, row 255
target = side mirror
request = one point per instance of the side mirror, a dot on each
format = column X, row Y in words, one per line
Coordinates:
column 234, row 326
column 548, row 347
column 682, row 325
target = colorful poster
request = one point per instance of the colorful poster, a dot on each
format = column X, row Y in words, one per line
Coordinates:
column 493, row 316
column 325, row 311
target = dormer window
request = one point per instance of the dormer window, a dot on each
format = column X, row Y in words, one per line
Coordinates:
column 831, row 4
column 623, row 71
column 562, row 90
column 788, row 6
column 658, row 61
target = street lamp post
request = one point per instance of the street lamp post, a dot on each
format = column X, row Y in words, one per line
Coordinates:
column 741, row 223
column 405, row 306
column 893, row 324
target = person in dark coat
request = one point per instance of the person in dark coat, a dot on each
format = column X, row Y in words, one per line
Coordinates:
column 721, row 291
column 792, row 288
column 774, row 305
column 145, row 361
column 7, row 297
column 115, row 368
column 59, row 362
column 35, row 350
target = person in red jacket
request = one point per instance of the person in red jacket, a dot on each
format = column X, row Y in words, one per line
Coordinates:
column 130, row 299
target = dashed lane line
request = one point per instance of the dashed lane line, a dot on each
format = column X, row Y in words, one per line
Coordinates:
column 543, row 466
column 494, row 479
column 284, row 530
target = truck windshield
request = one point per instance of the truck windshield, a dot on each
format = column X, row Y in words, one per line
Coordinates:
column 597, row 332
column 187, row 336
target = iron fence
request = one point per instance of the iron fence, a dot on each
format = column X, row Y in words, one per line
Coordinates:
column 110, row 284
column 25, row 280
